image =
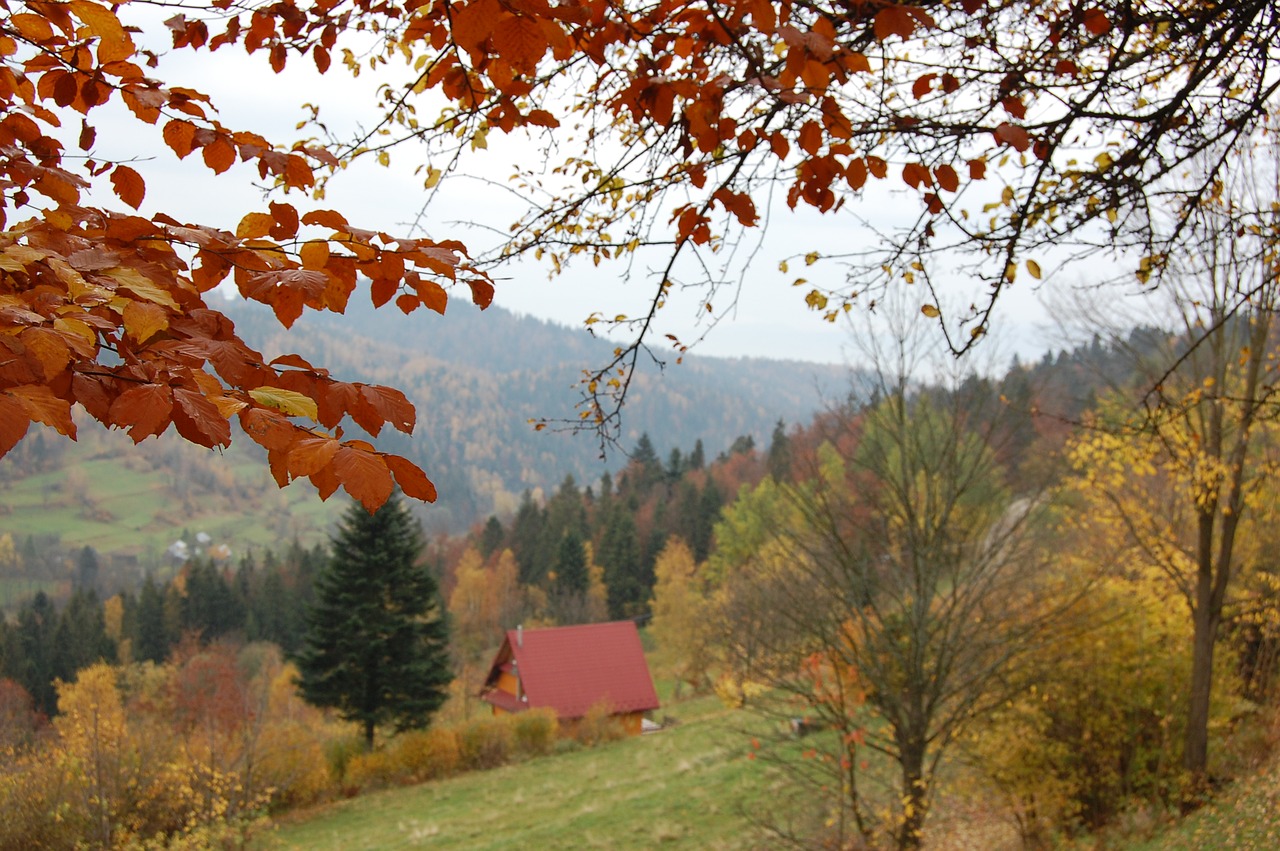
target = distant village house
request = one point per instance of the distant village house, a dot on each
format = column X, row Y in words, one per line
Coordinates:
column 571, row 669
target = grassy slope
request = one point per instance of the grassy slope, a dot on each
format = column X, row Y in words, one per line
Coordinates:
column 130, row 510
column 689, row 787
column 684, row 788
column 1245, row 818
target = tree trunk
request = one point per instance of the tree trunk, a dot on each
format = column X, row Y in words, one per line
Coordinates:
column 914, row 797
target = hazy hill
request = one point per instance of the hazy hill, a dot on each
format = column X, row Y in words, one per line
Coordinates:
column 477, row 378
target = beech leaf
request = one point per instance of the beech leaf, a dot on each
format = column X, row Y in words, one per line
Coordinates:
column 286, row 401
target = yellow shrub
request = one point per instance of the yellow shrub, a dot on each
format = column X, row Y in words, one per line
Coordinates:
column 427, row 754
column 486, row 743
column 599, row 726
column 536, row 731
column 371, row 770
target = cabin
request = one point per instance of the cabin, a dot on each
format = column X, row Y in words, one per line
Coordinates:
column 571, row 669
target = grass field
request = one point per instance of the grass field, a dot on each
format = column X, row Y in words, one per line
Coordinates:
column 691, row 786
column 118, row 503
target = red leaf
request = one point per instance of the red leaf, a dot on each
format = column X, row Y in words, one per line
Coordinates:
column 894, row 20
column 520, row 41
column 412, row 480
column 1013, row 135
column 810, row 138
column 977, row 169
column 1096, row 22
column 129, row 185
column 364, row 475
column 286, row 221
column 923, row 86
column 947, row 177
column 381, row 290
column 916, row 175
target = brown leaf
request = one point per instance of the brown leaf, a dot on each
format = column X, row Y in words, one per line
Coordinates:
column 129, row 185
column 199, row 420
column 364, row 475
column 144, row 410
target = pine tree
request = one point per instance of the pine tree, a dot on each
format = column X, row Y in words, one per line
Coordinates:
column 377, row 644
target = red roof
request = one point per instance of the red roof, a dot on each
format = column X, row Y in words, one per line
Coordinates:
column 572, row 668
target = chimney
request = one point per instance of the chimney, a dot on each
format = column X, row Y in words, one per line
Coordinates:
column 519, row 635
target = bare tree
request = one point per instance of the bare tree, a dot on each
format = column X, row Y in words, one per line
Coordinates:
column 908, row 592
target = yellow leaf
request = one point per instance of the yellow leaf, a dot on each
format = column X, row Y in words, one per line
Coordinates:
column 286, row 401
column 255, row 225
column 140, row 285
column 1034, row 268
column 930, row 311
column 314, row 254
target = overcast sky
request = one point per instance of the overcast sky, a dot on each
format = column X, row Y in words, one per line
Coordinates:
column 768, row 319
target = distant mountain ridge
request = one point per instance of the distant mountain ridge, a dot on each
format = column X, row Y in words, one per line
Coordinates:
column 477, row 378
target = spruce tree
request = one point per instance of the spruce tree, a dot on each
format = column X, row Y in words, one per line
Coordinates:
column 376, row 647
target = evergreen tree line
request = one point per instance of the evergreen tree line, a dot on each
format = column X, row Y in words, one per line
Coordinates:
column 203, row 602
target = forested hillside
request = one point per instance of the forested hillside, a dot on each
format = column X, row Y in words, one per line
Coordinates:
column 478, row 378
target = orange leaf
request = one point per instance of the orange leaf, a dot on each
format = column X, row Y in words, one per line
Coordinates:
column 326, row 218
column 143, row 319
column 432, row 295
column 44, row 407
column 310, row 454
column 923, row 85
column 411, row 480
column 364, row 475
column 391, row 405
column 48, row 348
column 314, row 255
column 254, row 225
column 219, row 155
column 916, row 175
column 180, row 136
column 114, row 43
column 14, row 423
